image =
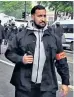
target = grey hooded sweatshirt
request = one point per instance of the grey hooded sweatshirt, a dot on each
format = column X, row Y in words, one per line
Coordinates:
column 39, row 55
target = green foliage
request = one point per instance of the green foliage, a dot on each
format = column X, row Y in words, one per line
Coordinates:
column 62, row 6
column 15, row 8
column 59, row 6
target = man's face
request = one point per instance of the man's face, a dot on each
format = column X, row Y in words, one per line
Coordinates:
column 40, row 18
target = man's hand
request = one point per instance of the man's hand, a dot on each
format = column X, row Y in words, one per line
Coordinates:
column 65, row 90
column 27, row 59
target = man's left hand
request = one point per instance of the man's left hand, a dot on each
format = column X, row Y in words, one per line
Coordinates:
column 65, row 90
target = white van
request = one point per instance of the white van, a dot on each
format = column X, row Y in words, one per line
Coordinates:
column 68, row 26
column 19, row 22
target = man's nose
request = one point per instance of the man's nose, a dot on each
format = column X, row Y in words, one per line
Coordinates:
column 43, row 18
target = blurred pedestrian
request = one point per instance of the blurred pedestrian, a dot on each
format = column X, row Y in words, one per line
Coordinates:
column 1, row 35
column 59, row 30
column 21, row 28
column 6, row 32
column 12, row 32
column 34, row 52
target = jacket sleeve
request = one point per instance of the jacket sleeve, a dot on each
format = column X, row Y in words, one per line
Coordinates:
column 61, row 64
column 12, row 51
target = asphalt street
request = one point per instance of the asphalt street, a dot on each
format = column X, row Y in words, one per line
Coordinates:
column 6, row 89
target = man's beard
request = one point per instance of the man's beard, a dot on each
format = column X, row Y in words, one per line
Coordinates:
column 39, row 26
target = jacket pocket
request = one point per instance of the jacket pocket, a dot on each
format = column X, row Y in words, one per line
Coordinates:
column 25, row 77
column 26, row 73
column 51, row 52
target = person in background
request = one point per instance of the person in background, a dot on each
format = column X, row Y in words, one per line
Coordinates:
column 12, row 31
column 36, row 51
column 1, row 35
column 59, row 30
column 6, row 32
column 21, row 28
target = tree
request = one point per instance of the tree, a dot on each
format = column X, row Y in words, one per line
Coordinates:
column 59, row 6
column 15, row 8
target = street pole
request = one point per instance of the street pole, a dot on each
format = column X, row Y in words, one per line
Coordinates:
column 25, row 9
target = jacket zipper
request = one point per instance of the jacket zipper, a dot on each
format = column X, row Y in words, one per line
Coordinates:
column 38, row 56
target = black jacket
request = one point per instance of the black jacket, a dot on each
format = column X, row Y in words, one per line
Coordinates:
column 25, row 41
column 1, row 32
column 59, row 31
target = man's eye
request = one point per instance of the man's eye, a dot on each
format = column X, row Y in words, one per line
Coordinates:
column 44, row 15
column 40, row 16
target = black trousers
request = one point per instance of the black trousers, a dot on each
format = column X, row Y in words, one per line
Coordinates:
column 35, row 92
column 0, row 45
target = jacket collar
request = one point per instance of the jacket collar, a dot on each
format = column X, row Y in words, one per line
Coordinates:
column 46, row 32
column 31, row 28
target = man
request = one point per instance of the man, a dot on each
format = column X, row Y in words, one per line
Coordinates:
column 34, row 52
column 21, row 28
column 12, row 31
column 1, row 35
column 6, row 31
column 59, row 30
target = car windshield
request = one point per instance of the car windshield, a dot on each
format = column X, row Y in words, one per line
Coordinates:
column 68, row 28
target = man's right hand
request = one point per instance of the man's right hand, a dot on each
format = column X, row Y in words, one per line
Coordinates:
column 27, row 59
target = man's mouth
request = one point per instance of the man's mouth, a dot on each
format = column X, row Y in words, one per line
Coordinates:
column 42, row 23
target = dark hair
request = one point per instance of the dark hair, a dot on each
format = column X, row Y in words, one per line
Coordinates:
column 58, row 24
column 0, row 21
column 37, row 7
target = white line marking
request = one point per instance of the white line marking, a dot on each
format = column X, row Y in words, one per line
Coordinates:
column 11, row 64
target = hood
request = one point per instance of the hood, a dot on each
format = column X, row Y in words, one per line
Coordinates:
column 30, row 26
